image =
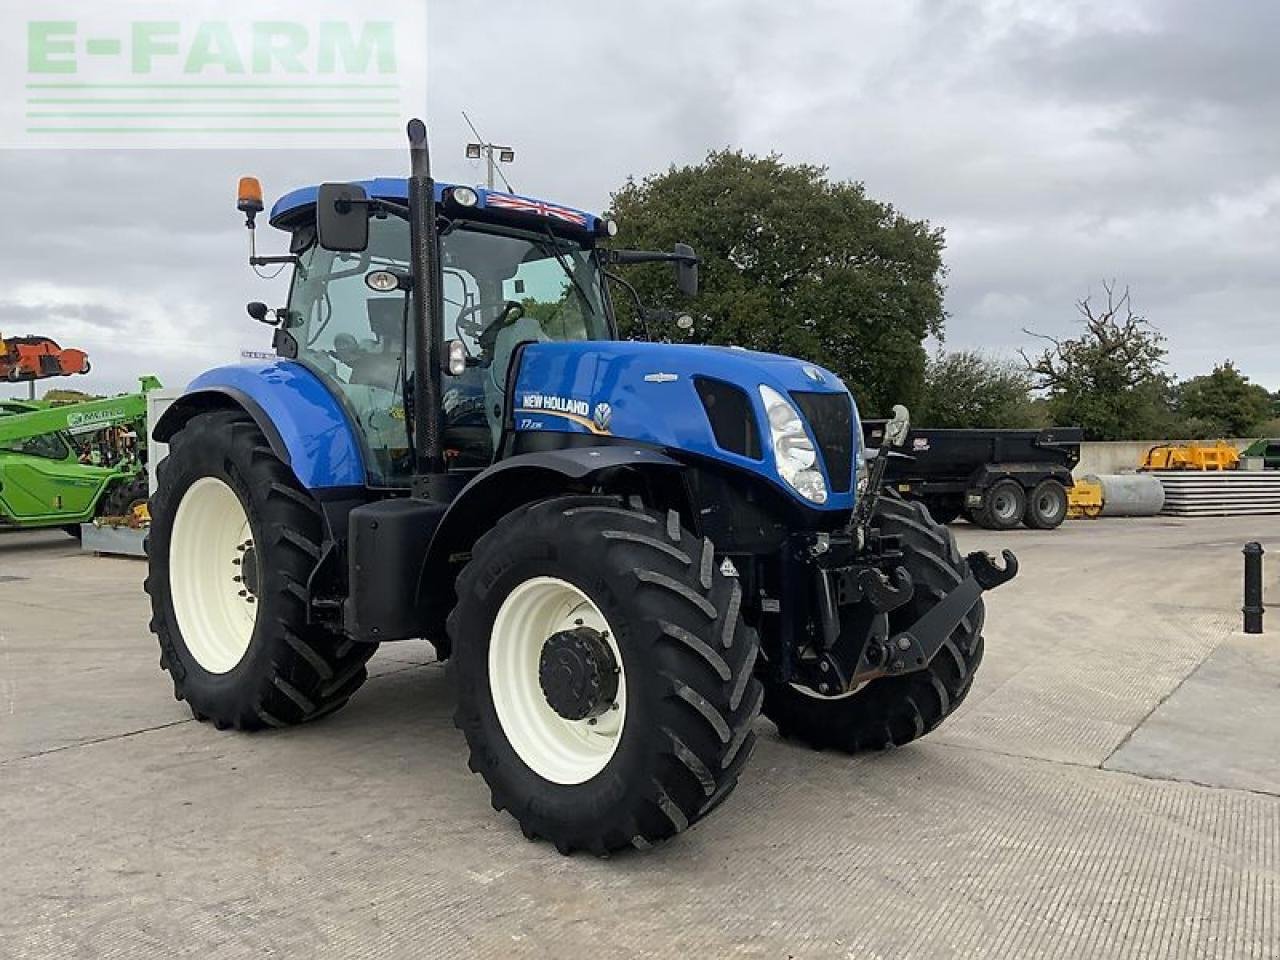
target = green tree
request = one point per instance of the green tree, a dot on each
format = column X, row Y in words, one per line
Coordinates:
column 1110, row 380
column 1224, row 400
column 793, row 263
column 967, row 388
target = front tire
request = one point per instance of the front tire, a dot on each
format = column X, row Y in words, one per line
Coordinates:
column 945, row 510
column 233, row 539
column 662, row 742
column 892, row 711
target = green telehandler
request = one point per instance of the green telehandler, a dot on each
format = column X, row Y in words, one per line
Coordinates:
column 59, row 466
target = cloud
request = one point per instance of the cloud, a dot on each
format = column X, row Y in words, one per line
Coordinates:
column 1058, row 144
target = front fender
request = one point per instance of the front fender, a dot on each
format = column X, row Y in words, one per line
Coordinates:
column 518, row 480
column 521, row 479
column 301, row 418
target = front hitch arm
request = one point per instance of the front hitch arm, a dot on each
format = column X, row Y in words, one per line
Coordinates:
column 884, row 594
column 985, row 571
column 915, row 647
column 865, row 649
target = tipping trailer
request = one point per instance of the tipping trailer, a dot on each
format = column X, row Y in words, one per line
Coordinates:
column 994, row 478
column 627, row 550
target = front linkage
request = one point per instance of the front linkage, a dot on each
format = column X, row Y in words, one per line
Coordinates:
column 860, row 582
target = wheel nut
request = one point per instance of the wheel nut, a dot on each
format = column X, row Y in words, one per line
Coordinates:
column 824, row 666
column 904, row 643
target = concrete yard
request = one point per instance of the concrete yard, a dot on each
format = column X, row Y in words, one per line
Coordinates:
column 1110, row 789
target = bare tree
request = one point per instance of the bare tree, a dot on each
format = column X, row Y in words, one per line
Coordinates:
column 1110, row 379
column 1119, row 349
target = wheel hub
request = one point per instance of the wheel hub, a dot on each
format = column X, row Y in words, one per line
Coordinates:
column 578, row 673
column 248, row 563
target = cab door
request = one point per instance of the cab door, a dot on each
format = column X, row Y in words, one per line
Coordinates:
column 41, row 480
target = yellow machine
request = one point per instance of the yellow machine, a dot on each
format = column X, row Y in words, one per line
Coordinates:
column 1192, row 456
column 1084, row 500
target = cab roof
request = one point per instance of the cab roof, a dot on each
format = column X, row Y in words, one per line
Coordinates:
column 296, row 207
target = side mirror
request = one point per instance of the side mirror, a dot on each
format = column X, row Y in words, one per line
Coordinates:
column 686, row 269
column 262, row 313
column 342, row 217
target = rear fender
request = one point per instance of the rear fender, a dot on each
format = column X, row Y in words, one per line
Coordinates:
column 306, row 425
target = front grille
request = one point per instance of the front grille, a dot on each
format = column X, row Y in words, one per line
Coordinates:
column 830, row 417
column 732, row 420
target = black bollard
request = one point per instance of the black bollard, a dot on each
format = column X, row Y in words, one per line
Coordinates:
column 1253, row 608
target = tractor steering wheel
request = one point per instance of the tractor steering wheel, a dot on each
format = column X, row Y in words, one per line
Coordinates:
column 470, row 324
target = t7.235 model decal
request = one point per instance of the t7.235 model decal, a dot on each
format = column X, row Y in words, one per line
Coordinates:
column 535, row 407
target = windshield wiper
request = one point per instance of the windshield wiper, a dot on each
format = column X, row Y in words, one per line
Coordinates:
column 564, row 265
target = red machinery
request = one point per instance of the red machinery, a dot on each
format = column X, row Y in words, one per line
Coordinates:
column 34, row 358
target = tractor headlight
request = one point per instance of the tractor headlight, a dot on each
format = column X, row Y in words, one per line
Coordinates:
column 793, row 451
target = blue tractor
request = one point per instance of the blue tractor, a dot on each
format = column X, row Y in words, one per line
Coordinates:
column 626, row 550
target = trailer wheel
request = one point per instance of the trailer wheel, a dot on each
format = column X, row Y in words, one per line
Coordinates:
column 1003, row 506
column 892, row 711
column 605, row 673
column 233, row 539
column 1047, row 505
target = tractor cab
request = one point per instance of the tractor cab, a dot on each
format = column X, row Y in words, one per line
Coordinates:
column 513, row 271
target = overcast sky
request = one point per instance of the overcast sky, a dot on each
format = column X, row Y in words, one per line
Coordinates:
column 1057, row 143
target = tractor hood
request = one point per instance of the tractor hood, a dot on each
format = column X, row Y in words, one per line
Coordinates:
column 705, row 401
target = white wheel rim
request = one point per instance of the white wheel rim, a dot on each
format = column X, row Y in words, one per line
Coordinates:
column 214, row 609
column 809, row 692
column 560, row 750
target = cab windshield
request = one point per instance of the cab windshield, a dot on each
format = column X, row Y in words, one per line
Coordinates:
column 500, row 288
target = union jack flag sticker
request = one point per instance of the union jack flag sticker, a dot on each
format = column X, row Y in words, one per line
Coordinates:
column 505, row 201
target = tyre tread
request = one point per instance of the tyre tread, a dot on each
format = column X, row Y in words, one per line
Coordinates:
column 701, row 650
column 307, row 671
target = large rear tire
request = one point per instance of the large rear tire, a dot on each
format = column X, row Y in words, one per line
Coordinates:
column 233, row 539
column 892, row 711
column 664, row 727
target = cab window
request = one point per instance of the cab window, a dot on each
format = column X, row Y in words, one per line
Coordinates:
column 50, row 447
